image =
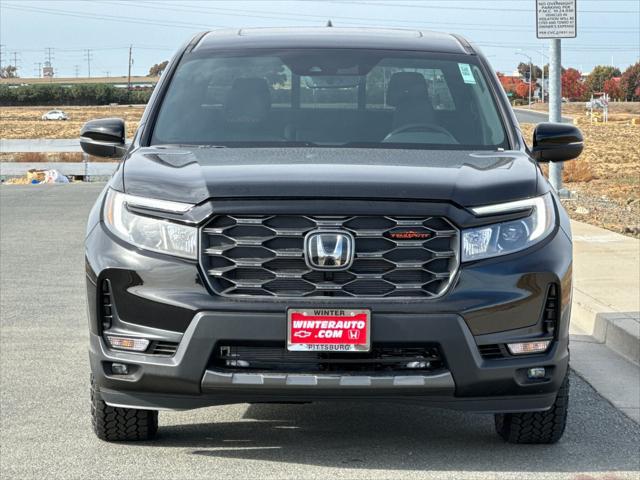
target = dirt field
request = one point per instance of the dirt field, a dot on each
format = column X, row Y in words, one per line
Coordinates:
column 618, row 111
column 604, row 181
column 25, row 122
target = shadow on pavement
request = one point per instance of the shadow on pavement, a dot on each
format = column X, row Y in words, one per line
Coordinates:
column 406, row 437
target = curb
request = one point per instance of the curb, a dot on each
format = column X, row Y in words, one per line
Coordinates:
column 620, row 331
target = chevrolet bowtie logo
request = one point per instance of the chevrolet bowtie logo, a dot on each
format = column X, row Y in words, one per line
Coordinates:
column 329, row 250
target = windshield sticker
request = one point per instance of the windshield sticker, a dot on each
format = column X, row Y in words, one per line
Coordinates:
column 467, row 74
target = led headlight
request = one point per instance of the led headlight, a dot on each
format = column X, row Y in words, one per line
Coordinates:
column 512, row 236
column 146, row 232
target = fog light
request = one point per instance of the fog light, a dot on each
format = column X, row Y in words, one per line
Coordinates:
column 123, row 343
column 419, row 364
column 119, row 369
column 237, row 363
column 534, row 373
column 528, row 347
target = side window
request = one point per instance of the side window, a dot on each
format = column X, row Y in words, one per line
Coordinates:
column 492, row 122
column 438, row 90
column 440, row 94
column 223, row 74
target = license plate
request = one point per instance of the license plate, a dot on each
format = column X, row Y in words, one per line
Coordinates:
column 328, row 330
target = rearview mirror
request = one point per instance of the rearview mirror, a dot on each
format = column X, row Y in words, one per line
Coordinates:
column 103, row 137
column 556, row 142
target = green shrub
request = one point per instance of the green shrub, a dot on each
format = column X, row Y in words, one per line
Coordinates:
column 77, row 94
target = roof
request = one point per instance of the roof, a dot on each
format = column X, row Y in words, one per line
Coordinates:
column 333, row 37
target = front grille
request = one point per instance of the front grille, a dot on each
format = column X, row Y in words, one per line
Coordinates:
column 492, row 351
column 274, row 357
column 263, row 256
column 164, row 348
column 551, row 311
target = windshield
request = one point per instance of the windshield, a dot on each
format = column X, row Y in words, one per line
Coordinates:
column 336, row 98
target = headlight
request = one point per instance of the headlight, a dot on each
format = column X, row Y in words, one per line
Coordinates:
column 512, row 236
column 150, row 233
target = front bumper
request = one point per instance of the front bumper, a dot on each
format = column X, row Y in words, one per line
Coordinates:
column 492, row 302
column 187, row 381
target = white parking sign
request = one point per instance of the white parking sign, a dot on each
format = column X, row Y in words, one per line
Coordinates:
column 556, row 18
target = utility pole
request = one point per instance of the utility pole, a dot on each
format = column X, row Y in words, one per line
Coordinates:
column 48, row 54
column 15, row 61
column 88, row 58
column 530, row 79
column 37, row 66
column 1, row 52
column 76, row 69
column 530, row 73
column 130, row 63
column 543, row 56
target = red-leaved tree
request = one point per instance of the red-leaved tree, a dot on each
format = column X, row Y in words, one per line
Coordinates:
column 522, row 90
column 572, row 86
column 630, row 82
column 613, row 89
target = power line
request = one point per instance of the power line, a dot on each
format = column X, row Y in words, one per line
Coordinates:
column 236, row 12
column 110, row 18
column 472, row 8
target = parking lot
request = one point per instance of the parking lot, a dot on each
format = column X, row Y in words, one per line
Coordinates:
column 45, row 426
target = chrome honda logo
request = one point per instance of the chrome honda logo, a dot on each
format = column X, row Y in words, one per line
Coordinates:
column 329, row 250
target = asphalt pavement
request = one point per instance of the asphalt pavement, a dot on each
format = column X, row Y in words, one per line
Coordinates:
column 530, row 116
column 44, row 396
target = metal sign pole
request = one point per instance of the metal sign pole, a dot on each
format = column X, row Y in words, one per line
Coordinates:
column 555, row 105
column 555, row 19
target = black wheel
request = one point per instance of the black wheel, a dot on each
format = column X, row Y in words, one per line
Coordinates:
column 114, row 424
column 536, row 427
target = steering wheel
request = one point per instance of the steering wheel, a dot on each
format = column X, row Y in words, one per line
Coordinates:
column 417, row 127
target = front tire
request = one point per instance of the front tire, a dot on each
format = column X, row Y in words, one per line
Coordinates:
column 115, row 424
column 536, row 427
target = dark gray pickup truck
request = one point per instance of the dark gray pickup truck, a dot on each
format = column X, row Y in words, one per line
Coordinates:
column 329, row 214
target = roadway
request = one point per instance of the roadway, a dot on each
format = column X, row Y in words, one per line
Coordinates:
column 530, row 116
column 44, row 396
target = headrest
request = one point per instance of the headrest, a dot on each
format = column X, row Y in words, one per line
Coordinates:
column 405, row 86
column 248, row 101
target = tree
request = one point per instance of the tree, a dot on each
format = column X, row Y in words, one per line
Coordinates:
column 523, row 69
column 572, row 86
column 510, row 85
column 9, row 72
column 157, row 69
column 522, row 90
column 546, row 70
column 599, row 75
column 630, row 83
column 613, row 89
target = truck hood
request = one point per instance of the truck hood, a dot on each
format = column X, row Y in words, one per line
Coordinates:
column 194, row 174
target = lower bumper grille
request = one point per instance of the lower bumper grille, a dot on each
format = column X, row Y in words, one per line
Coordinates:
column 276, row 358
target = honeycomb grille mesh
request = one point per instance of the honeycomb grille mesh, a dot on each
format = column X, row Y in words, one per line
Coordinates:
column 262, row 256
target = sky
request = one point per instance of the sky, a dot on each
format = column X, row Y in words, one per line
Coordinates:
column 608, row 30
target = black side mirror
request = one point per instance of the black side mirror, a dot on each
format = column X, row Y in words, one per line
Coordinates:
column 103, row 137
column 556, row 142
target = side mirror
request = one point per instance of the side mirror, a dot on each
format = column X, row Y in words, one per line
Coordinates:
column 556, row 142
column 103, row 137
